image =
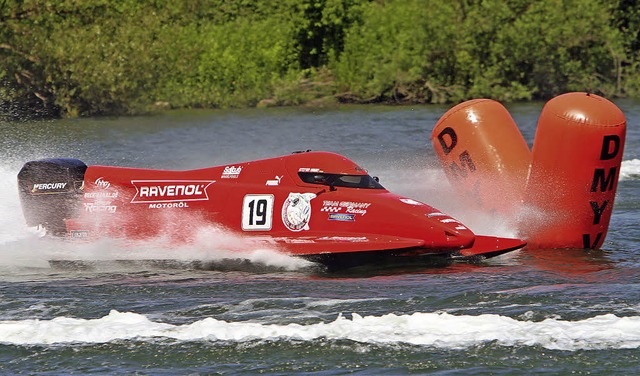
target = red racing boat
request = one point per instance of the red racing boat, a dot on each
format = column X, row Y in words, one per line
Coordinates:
column 316, row 205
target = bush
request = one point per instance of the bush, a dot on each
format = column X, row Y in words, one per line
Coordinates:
column 80, row 58
column 436, row 51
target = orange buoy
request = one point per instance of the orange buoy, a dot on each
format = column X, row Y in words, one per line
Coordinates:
column 577, row 152
column 483, row 154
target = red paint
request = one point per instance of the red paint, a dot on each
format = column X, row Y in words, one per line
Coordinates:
column 268, row 201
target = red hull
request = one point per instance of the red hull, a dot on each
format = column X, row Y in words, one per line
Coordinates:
column 311, row 205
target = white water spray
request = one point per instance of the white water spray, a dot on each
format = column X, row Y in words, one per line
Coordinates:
column 437, row 330
column 25, row 247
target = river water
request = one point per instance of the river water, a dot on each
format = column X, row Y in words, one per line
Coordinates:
column 555, row 312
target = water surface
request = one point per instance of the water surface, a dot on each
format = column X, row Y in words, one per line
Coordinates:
column 534, row 312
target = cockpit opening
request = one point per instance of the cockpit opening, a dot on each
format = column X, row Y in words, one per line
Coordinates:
column 339, row 180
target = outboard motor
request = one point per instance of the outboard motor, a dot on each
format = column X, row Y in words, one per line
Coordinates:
column 51, row 191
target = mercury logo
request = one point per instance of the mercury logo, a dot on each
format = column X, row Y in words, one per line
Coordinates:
column 48, row 186
column 152, row 191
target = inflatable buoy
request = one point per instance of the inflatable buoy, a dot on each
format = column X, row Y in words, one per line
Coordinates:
column 577, row 152
column 483, row 154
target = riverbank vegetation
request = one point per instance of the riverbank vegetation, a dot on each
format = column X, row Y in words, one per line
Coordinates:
column 83, row 58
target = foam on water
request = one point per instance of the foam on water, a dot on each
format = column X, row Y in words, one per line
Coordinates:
column 210, row 244
column 12, row 225
column 438, row 330
column 630, row 169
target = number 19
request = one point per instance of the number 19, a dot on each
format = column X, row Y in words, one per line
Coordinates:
column 257, row 212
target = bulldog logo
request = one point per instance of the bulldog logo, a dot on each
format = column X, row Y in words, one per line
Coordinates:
column 296, row 211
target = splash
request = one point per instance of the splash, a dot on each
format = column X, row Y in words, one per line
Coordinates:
column 438, row 330
column 630, row 170
column 22, row 246
column 433, row 188
column 12, row 225
column 211, row 248
column 428, row 183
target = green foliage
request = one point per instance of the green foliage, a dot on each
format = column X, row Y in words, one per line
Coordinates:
column 626, row 19
column 314, row 86
column 508, row 50
column 82, row 58
column 480, row 68
column 236, row 64
column 558, row 46
column 401, row 50
column 321, row 27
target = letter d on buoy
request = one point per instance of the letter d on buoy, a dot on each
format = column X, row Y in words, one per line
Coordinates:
column 484, row 155
column 577, row 152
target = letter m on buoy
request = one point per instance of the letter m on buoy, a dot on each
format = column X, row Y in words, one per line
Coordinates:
column 605, row 180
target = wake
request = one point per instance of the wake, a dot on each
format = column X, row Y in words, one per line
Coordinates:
column 436, row 330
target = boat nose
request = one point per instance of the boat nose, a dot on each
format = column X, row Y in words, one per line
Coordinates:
column 454, row 233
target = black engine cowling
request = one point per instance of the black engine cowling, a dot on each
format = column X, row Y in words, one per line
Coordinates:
column 51, row 191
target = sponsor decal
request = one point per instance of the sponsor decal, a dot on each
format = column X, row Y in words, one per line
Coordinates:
column 275, row 181
column 356, row 211
column 78, row 234
column 331, row 209
column 344, row 217
column 99, row 207
column 460, row 228
column 101, row 183
column 39, row 187
column 448, row 220
column 436, row 214
column 231, row 172
column 409, row 201
column 101, row 194
column 154, row 191
column 307, row 169
column 166, row 205
column 351, row 207
column 296, row 211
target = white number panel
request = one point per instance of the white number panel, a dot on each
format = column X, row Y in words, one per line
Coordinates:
column 257, row 212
